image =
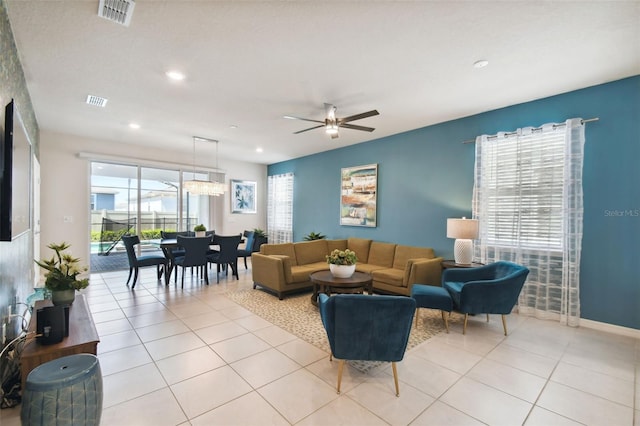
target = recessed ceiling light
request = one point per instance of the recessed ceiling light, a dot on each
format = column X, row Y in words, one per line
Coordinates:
column 134, row 126
column 481, row 63
column 258, row 149
column 233, row 126
column 175, row 75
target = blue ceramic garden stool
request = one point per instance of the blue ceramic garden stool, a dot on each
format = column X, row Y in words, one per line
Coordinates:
column 432, row 297
column 65, row 391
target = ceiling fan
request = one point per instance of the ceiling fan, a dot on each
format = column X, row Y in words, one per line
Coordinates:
column 333, row 123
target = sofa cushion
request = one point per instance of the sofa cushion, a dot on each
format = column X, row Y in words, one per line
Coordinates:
column 301, row 273
column 335, row 244
column 404, row 253
column 361, row 247
column 311, row 251
column 284, row 249
column 367, row 268
column 381, row 254
column 389, row 276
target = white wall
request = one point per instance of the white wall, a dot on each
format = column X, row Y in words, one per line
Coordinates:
column 65, row 188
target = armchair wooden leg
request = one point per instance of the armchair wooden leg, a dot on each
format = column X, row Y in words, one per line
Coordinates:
column 395, row 377
column 340, row 367
column 446, row 323
column 487, row 317
column 464, row 327
column 504, row 323
column 417, row 311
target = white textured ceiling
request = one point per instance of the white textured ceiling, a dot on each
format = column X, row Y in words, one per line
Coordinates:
column 249, row 63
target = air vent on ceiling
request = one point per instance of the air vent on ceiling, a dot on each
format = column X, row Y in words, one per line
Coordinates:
column 118, row 11
column 96, row 101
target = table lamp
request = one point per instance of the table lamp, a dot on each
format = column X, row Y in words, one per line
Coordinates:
column 463, row 230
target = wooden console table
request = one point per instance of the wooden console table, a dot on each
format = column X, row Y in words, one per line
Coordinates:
column 83, row 338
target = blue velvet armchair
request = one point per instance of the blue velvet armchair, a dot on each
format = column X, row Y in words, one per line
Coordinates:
column 489, row 289
column 371, row 328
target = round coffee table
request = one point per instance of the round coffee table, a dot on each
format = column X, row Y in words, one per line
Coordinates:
column 324, row 282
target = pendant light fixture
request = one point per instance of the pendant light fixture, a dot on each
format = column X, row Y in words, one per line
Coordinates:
column 203, row 187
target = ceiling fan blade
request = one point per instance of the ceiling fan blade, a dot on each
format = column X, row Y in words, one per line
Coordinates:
column 355, row 127
column 306, row 130
column 290, row 117
column 358, row 116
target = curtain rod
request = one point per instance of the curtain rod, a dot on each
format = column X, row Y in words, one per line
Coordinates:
column 143, row 162
column 588, row 120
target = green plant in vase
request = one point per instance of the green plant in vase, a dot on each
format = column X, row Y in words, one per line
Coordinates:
column 62, row 274
column 342, row 263
column 200, row 230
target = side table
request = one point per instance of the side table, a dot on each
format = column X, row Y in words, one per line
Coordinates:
column 446, row 264
column 83, row 338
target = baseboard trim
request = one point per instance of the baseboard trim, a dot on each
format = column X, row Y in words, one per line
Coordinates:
column 610, row 328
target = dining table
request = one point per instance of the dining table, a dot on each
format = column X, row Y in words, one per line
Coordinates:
column 167, row 245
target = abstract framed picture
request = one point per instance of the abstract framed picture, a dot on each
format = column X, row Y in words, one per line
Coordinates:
column 243, row 196
column 358, row 191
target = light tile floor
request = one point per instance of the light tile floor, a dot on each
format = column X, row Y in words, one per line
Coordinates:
column 193, row 357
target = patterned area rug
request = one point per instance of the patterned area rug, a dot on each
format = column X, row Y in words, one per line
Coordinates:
column 299, row 317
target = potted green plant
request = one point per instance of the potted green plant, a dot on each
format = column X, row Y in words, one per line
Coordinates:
column 200, row 230
column 342, row 263
column 62, row 274
column 314, row 236
column 259, row 238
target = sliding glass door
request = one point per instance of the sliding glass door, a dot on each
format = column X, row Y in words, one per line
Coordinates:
column 143, row 201
column 114, row 190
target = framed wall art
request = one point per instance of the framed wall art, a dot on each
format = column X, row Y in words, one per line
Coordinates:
column 243, row 196
column 358, row 190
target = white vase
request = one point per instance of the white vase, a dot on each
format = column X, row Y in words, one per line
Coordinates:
column 201, row 233
column 342, row 271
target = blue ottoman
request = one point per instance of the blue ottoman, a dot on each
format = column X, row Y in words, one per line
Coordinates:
column 432, row 297
column 65, row 391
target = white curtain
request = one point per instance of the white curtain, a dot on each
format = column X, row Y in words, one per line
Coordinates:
column 528, row 200
column 280, row 208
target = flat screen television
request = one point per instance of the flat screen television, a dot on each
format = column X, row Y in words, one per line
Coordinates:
column 15, row 186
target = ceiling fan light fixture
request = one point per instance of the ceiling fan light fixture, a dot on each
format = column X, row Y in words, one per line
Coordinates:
column 331, row 129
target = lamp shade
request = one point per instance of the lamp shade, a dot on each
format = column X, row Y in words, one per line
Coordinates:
column 465, row 229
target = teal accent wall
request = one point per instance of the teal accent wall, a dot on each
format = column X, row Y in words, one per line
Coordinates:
column 426, row 176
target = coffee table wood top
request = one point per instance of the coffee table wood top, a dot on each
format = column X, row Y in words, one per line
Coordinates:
column 358, row 279
column 325, row 282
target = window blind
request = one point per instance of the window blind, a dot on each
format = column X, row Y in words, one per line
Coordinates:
column 280, row 208
column 522, row 180
column 527, row 198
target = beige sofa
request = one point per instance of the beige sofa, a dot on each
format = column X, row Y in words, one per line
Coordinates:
column 285, row 268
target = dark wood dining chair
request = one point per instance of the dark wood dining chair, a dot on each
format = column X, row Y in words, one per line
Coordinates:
column 178, row 251
column 195, row 255
column 135, row 262
column 228, row 255
column 248, row 249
